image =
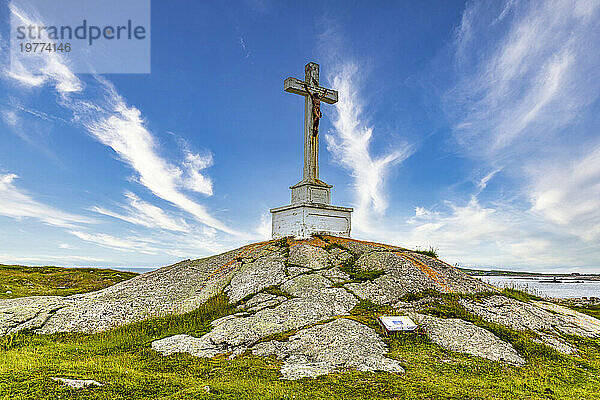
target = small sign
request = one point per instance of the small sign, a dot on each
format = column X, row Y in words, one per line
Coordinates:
column 394, row 323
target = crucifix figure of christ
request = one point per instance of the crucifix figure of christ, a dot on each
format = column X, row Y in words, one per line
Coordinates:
column 314, row 95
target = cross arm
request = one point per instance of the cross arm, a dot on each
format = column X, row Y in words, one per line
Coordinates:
column 293, row 85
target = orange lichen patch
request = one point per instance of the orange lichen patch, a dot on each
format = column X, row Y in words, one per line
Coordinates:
column 313, row 241
column 458, row 270
column 233, row 263
column 440, row 261
column 341, row 240
column 427, row 270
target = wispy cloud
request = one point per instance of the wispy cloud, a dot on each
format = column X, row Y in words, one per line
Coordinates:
column 483, row 182
column 350, row 147
column 471, row 224
column 526, row 80
column 568, row 194
column 122, row 128
column 48, row 67
column 16, row 203
column 10, row 117
column 139, row 245
column 244, row 47
column 45, row 259
column 264, row 228
column 110, row 120
column 145, row 214
column 526, row 77
column 175, row 244
column 193, row 178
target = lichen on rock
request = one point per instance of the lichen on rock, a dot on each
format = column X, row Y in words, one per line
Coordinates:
column 297, row 288
column 465, row 337
column 253, row 277
column 537, row 318
column 305, row 255
column 336, row 345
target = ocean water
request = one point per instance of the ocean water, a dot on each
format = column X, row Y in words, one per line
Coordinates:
column 565, row 289
column 139, row 270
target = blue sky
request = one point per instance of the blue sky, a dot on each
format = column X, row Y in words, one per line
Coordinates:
column 470, row 127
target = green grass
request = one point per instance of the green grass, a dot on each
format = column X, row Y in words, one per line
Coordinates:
column 431, row 252
column 331, row 246
column 593, row 310
column 55, row 281
column 414, row 296
column 122, row 359
column 520, row 295
column 357, row 273
column 276, row 291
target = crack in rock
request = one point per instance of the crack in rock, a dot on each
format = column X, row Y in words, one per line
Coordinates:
column 465, row 337
column 333, row 346
column 537, row 318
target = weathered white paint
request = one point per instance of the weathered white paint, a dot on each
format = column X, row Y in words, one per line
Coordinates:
column 304, row 220
column 305, row 192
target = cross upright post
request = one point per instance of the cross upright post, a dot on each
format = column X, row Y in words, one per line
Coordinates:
column 310, row 211
column 314, row 95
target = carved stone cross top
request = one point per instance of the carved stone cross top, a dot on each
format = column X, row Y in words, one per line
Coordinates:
column 314, row 95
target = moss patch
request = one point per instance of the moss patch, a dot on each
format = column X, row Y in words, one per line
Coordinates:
column 357, row 273
column 276, row 291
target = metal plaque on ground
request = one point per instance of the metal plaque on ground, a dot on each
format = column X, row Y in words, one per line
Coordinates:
column 394, row 323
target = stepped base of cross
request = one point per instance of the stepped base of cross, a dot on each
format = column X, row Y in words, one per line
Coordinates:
column 311, row 213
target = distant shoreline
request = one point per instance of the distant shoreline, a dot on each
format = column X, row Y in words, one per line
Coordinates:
column 533, row 275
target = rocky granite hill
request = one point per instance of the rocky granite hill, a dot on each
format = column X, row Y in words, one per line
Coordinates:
column 295, row 299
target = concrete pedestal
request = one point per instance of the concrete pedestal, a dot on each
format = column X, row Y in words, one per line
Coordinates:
column 310, row 213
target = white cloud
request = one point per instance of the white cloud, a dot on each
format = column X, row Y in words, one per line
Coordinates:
column 527, row 81
column 10, row 117
column 121, row 127
column 350, row 147
column 192, row 244
column 499, row 236
column 527, row 75
column 16, row 203
column 143, row 213
column 264, row 228
column 45, row 259
column 482, row 184
column 244, row 48
column 140, row 245
column 193, row 164
column 568, row 194
column 48, row 66
column 469, row 225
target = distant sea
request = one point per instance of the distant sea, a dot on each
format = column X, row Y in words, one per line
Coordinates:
column 564, row 289
column 139, row 270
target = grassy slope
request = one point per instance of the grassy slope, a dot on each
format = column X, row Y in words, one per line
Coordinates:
column 55, row 281
column 122, row 359
column 593, row 310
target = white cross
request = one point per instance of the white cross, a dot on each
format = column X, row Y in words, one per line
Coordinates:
column 309, row 88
